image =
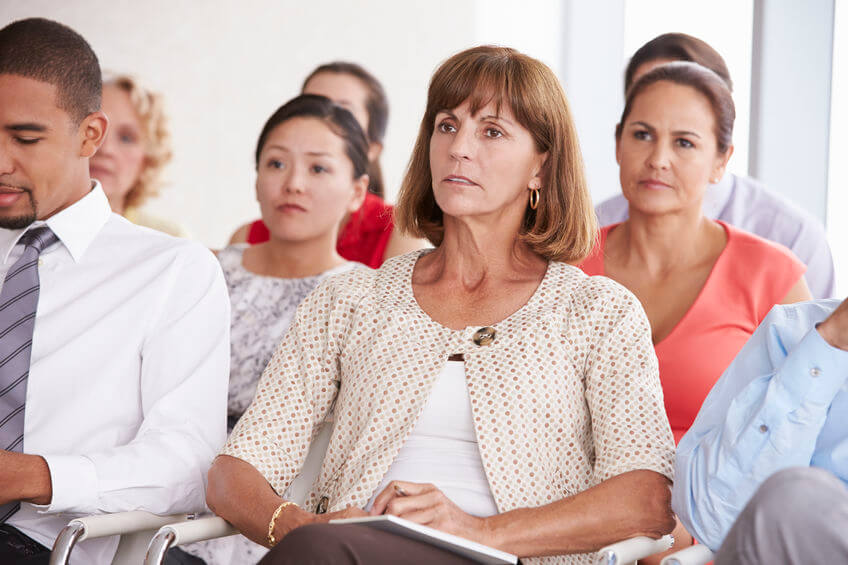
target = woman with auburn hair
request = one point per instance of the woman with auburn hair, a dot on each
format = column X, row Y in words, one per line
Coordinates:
column 486, row 388
column 129, row 164
column 367, row 235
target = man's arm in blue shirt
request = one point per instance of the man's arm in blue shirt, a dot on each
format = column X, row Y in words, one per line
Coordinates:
column 763, row 415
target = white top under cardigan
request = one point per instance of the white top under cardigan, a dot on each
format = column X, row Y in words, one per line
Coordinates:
column 442, row 448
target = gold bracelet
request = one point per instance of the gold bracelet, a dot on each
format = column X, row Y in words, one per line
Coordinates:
column 272, row 541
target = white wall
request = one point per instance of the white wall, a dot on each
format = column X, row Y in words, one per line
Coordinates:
column 225, row 65
column 592, row 71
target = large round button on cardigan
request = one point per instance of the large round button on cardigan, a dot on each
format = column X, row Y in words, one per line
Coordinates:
column 484, row 336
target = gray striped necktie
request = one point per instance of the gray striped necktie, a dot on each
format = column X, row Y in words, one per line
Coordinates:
column 18, row 303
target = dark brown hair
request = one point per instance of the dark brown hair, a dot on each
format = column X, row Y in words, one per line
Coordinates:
column 338, row 119
column 50, row 52
column 704, row 81
column 564, row 227
column 677, row 47
column 377, row 106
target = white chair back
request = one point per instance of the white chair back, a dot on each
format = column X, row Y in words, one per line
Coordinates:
column 302, row 483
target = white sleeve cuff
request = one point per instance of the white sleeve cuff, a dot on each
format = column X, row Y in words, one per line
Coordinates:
column 74, row 480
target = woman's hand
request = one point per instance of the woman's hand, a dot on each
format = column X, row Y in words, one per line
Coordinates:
column 294, row 517
column 425, row 504
column 349, row 512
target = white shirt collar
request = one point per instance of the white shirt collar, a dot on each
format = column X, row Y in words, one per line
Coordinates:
column 76, row 226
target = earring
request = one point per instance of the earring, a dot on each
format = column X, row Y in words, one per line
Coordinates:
column 534, row 198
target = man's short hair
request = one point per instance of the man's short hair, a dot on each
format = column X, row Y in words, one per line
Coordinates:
column 50, row 52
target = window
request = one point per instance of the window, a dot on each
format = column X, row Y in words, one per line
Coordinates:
column 837, row 195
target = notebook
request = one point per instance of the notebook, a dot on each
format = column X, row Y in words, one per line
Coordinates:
column 467, row 548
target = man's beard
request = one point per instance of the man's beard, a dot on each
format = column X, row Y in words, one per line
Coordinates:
column 19, row 222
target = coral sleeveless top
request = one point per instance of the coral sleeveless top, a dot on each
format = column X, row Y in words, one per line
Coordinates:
column 750, row 276
column 364, row 238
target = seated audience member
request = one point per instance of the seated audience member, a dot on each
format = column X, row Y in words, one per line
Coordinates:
column 136, row 149
column 116, row 338
column 705, row 284
column 367, row 235
column 311, row 162
column 486, row 388
column 761, row 475
column 736, row 200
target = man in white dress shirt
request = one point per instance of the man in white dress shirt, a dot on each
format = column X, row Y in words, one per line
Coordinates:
column 118, row 398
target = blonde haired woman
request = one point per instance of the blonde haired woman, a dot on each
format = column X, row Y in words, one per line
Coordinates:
column 129, row 164
column 487, row 388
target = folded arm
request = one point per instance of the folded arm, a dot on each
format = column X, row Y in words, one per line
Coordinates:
column 765, row 414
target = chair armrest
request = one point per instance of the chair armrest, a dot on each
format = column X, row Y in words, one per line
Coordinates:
column 189, row 531
column 631, row 550
column 103, row 525
column 694, row 555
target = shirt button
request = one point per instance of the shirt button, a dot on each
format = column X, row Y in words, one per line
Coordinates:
column 815, row 372
column 322, row 505
column 40, row 262
column 484, row 336
column 763, row 428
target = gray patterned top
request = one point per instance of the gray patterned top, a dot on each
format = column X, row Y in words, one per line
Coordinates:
column 262, row 309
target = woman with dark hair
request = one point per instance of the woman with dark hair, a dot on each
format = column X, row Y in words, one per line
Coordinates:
column 705, row 285
column 487, row 388
column 311, row 163
column 737, row 200
column 367, row 235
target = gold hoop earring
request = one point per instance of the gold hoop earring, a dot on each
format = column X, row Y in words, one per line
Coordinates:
column 534, row 198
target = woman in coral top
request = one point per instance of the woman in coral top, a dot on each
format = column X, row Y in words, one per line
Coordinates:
column 704, row 284
column 368, row 235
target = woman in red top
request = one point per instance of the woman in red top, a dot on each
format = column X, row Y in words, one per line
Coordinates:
column 368, row 235
column 705, row 285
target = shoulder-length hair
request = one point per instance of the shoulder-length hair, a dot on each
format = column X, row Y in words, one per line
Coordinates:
column 564, row 226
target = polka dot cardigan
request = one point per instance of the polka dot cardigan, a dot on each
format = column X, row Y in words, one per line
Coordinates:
column 565, row 396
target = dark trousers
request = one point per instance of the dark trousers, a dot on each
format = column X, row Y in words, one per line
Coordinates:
column 19, row 549
column 353, row 544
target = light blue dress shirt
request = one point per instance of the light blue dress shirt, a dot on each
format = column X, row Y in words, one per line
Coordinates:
column 748, row 205
column 783, row 402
